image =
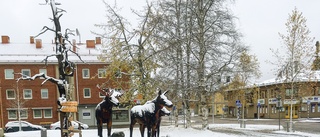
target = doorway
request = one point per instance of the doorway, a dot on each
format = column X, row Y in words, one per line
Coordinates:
column 288, row 111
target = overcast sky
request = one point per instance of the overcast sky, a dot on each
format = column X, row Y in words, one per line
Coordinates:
column 259, row 21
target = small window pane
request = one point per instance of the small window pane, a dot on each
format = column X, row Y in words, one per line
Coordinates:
column 37, row 113
column 9, row 74
column 86, row 93
column 47, row 113
column 101, row 73
column 11, row 94
column 44, row 71
column 27, row 94
column 25, row 73
column 85, row 73
column 12, row 114
column 23, row 114
column 44, row 94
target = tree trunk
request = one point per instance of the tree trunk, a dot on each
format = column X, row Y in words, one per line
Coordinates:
column 204, row 110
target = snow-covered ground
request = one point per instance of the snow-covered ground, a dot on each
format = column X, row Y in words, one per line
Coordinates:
column 220, row 130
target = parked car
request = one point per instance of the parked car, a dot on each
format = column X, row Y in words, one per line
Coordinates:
column 13, row 126
column 55, row 126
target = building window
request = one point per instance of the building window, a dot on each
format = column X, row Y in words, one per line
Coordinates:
column 86, row 93
column 37, row 113
column 11, row 94
column 8, row 74
column 25, row 73
column 27, row 94
column 12, row 114
column 101, row 95
column 47, row 113
column 44, row 71
column 24, row 114
column 289, row 91
column 44, row 94
column 118, row 74
column 85, row 73
column 313, row 108
column 102, row 73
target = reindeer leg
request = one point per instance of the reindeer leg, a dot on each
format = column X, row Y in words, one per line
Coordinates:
column 99, row 124
column 109, row 124
column 131, row 125
column 142, row 127
column 149, row 130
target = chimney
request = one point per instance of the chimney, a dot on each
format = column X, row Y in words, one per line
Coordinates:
column 98, row 40
column 5, row 39
column 38, row 43
column 74, row 45
column 90, row 43
column 31, row 40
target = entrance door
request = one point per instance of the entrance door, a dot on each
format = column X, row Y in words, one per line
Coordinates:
column 288, row 111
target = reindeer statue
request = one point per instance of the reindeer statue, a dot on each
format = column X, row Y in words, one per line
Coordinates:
column 148, row 115
column 164, row 111
column 104, row 109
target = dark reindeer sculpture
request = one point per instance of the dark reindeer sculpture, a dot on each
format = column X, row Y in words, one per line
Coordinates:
column 148, row 115
column 104, row 109
column 163, row 112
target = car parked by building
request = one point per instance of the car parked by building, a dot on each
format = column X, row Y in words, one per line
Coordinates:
column 75, row 124
column 13, row 126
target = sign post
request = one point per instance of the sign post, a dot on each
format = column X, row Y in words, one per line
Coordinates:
column 308, row 108
column 259, row 110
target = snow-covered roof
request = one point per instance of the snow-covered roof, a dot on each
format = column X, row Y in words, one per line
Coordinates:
column 301, row 77
column 28, row 53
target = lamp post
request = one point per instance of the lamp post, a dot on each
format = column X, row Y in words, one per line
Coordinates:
column 279, row 105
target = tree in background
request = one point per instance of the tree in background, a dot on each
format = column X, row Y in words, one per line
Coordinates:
column 295, row 57
column 132, row 49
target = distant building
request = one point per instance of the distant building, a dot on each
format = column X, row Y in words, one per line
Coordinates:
column 39, row 102
column 260, row 100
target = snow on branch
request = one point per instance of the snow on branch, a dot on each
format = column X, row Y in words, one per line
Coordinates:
column 47, row 78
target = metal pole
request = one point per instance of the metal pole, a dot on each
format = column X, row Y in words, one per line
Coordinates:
column 279, row 117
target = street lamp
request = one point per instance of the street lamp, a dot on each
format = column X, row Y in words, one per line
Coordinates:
column 279, row 106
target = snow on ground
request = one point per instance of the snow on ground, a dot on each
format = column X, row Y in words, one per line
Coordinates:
column 221, row 130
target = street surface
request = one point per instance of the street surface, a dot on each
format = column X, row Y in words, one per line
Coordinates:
column 300, row 125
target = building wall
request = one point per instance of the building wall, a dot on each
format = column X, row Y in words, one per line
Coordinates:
column 267, row 96
column 36, row 102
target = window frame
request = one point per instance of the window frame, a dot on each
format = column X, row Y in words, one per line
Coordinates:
column 24, row 93
column 88, row 73
column 25, row 70
column 8, row 74
column 84, row 92
column 45, row 113
column 44, row 71
column 44, row 90
column 14, row 93
column 10, row 115
column 102, row 74
column 34, row 115
column 24, row 111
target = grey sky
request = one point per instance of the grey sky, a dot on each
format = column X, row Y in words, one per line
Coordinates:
column 260, row 21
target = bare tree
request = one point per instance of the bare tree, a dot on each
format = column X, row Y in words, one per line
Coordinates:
column 296, row 54
column 205, row 45
column 133, row 49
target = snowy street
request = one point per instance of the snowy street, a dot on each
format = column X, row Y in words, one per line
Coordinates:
column 222, row 128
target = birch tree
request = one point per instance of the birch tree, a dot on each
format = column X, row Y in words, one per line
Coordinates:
column 296, row 53
column 204, row 43
column 132, row 47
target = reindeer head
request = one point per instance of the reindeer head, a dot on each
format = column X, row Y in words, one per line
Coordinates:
column 163, row 100
column 110, row 95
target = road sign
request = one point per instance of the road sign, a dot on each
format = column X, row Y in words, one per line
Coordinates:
column 237, row 101
column 259, row 104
